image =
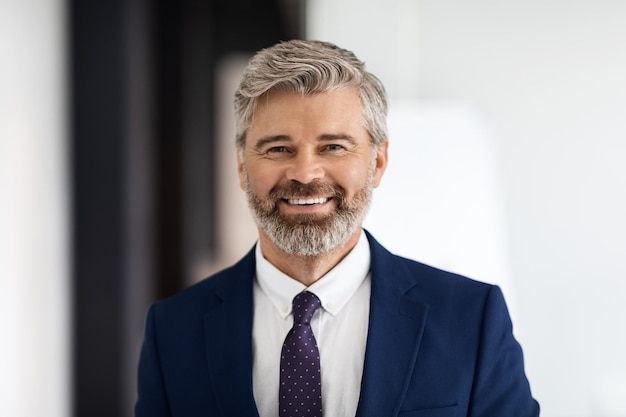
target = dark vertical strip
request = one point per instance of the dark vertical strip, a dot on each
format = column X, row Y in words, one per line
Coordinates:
column 199, row 174
column 98, row 135
column 168, row 92
column 139, row 192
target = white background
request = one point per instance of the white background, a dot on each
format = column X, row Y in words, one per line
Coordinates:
column 34, row 267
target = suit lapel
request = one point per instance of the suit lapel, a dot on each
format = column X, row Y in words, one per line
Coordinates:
column 228, row 335
column 396, row 325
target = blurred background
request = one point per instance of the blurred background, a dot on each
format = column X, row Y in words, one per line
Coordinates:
column 118, row 183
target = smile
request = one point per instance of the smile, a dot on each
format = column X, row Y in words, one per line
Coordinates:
column 307, row 201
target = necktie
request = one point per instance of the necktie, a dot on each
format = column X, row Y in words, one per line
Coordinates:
column 300, row 393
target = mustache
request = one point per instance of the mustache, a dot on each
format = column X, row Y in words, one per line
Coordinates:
column 315, row 188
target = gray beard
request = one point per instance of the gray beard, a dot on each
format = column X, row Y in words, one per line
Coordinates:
column 308, row 234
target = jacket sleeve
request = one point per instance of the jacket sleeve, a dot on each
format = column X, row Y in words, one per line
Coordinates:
column 152, row 399
column 500, row 387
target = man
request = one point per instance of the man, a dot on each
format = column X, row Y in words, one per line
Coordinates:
column 368, row 333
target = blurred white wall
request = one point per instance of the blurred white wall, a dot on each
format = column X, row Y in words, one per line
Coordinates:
column 236, row 231
column 440, row 200
column 547, row 79
column 34, row 293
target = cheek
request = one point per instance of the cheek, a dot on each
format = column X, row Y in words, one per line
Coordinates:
column 351, row 176
column 261, row 180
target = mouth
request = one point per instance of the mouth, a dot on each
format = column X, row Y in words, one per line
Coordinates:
column 307, row 201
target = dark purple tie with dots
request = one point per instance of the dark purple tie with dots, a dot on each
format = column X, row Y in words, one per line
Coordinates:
column 300, row 393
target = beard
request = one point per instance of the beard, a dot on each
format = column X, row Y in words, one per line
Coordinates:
column 310, row 234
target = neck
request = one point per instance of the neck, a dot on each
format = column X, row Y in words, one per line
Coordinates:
column 305, row 269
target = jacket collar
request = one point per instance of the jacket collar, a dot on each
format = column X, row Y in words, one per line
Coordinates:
column 396, row 325
column 228, row 338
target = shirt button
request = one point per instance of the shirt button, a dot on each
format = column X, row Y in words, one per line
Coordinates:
column 331, row 305
column 285, row 308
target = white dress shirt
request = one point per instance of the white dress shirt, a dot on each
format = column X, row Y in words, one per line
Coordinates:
column 339, row 326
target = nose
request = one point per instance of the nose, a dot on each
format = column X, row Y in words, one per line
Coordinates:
column 305, row 167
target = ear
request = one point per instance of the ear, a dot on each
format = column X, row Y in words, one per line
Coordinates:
column 381, row 162
column 240, row 168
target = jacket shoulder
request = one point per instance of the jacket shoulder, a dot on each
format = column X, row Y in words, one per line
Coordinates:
column 422, row 276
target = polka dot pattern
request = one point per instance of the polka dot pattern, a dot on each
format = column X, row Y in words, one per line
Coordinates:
column 300, row 393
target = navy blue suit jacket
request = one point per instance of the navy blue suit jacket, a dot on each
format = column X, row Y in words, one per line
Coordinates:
column 438, row 345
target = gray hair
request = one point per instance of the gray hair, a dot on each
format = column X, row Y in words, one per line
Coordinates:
column 309, row 67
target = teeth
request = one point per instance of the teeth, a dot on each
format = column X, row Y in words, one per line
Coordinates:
column 304, row 201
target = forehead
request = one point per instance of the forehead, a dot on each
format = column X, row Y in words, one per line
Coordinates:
column 289, row 113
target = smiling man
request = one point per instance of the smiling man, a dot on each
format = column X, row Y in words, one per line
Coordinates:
column 318, row 319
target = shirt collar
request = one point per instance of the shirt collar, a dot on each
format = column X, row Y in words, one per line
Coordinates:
column 334, row 289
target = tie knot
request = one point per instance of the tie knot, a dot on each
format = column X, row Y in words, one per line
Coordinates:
column 304, row 305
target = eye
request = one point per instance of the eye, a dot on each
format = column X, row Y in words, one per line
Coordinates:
column 334, row 147
column 277, row 149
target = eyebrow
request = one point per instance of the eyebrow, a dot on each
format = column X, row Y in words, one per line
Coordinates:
column 339, row 136
column 266, row 140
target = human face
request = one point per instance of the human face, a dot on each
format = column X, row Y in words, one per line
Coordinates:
column 308, row 168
